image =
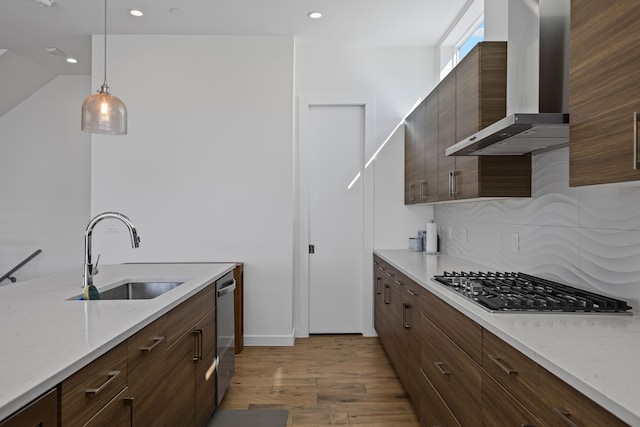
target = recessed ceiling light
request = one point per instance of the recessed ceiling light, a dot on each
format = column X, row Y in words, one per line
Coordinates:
column 72, row 60
column 314, row 15
column 135, row 12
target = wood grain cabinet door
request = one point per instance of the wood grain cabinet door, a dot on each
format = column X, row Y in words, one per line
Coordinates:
column 43, row 412
column 147, row 358
column 455, row 376
column 561, row 404
column 605, row 91
column 446, row 137
column 414, row 155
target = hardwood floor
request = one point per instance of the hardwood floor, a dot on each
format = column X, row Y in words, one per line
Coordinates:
column 323, row 380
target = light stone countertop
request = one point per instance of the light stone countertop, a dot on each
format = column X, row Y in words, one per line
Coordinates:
column 44, row 337
column 598, row 354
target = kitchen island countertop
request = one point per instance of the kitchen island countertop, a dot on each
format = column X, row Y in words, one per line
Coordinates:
column 597, row 354
column 45, row 336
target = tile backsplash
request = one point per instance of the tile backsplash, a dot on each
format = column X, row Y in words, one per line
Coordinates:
column 588, row 237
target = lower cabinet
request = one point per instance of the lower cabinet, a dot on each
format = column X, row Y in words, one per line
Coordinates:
column 118, row 412
column 85, row 394
column 43, row 412
column 455, row 376
column 459, row 374
column 561, row 404
column 147, row 358
column 191, row 361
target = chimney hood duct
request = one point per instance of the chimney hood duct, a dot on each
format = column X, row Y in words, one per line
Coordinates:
column 537, row 84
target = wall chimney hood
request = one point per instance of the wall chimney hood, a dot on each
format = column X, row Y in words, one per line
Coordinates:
column 537, row 84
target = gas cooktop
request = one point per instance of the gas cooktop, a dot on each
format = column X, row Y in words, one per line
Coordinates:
column 519, row 292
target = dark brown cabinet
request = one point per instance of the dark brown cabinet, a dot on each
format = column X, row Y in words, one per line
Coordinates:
column 457, row 373
column 421, row 152
column 43, row 412
column 561, row 404
column 84, row 395
column 605, row 91
column 147, row 363
column 471, row 97
column 191, row 361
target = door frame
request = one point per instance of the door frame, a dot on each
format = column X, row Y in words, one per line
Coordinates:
column 301, row 256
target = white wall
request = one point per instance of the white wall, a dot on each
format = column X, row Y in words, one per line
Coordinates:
column 394, row 222
column 396, row 77
column 205, row 172
column 44, row 185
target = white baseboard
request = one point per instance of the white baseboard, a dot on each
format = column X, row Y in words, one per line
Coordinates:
column 269, row 340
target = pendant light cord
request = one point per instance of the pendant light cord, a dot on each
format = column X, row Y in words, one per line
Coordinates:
column 105, row 42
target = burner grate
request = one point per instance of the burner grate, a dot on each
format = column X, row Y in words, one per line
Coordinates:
column 508, row 291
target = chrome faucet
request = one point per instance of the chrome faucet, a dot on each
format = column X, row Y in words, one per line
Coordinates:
column 89, row 269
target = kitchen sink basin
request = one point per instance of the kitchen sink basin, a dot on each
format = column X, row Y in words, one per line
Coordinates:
column 136, row 290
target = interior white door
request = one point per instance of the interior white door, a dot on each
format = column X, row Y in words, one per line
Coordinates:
column 336, row 136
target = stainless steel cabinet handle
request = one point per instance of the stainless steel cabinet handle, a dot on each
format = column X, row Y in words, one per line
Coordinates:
column 378, row 291
column 439, row 365
column 198, row 343
column 405, row 306
column 411, row 192
column 231, row 286
column 564, row 415
column 636, row 118
column 451, row 183
column 422, row 184
column 111, row 376
column 498, row 361
column 156, row 341
column 454, row 183
column 386, row 301
column 413, row 294
column 398, row 282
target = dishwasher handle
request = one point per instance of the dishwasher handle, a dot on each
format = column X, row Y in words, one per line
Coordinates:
column 230, row 286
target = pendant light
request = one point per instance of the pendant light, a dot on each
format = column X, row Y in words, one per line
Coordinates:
column 102, row 112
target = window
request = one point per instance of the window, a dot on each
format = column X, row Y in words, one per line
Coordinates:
column 476, row 36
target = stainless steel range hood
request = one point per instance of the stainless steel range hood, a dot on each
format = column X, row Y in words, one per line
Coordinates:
column 537, row 84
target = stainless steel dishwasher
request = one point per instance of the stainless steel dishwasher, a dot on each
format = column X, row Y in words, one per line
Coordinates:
column 225, row 333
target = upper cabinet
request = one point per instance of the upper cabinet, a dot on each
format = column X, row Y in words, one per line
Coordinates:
column 469, row 98
column 605, row 91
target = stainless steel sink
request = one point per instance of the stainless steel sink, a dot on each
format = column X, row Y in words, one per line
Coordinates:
column 137, row 290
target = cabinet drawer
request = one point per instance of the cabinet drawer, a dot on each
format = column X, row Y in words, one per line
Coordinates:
column 511, row 369
column 147, row 358
column 88, row 390
column 500, row 409
column 181, row 319
column 43, row 412
column 117, row 413
column 454, row 374
column 561, row 404
column 433, row 411
column 417, row 296
column 462, row 330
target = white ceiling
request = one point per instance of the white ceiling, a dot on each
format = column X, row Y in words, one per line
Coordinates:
column 26, row 27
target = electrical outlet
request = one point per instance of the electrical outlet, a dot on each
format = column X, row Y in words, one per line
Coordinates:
column 515, row 242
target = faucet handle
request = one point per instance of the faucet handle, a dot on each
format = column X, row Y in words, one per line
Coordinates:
column 95, row 267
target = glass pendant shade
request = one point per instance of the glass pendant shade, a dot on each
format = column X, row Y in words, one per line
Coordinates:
column 104, row 113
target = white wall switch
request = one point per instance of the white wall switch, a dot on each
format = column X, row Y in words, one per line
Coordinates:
column 465, row 235
column 450, row 232
column 515, row 242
